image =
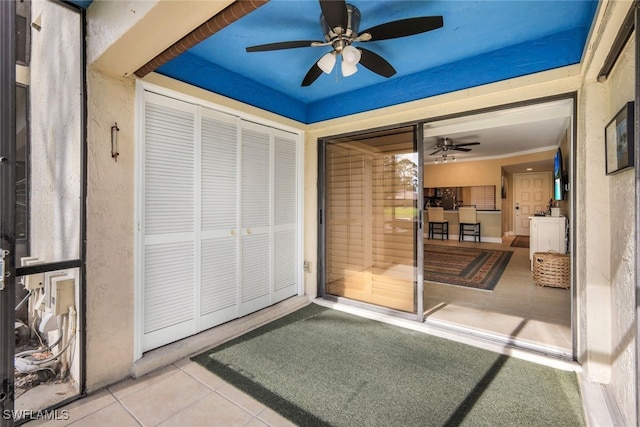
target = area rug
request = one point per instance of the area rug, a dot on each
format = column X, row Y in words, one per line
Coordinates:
column 322, row 367
column 520, row 242
column 463, row 266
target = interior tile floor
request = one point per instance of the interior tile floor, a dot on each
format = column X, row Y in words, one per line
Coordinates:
column 181, row 394
column 517, row 310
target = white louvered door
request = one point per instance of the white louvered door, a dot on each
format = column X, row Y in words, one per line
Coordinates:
column 218, row 218
column 285, row 215
column 168, row 221
column 256, row 276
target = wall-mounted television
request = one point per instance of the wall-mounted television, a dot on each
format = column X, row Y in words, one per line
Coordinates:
column 558, row 177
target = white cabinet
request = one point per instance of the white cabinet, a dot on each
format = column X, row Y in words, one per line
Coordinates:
column 547, row 233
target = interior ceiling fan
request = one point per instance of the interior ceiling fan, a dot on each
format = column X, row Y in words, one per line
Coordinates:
column 446, row 144
column 340, row 23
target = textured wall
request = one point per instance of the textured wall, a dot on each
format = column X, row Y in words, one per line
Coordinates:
column 620, row 87
column 55, row 125
column 55, row 93
column 110, row 230
column 605, row 229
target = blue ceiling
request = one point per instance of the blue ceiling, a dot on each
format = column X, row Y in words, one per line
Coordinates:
column 481, row 42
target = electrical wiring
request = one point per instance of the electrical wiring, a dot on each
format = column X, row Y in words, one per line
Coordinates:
column 40, row 350
column 24, row 300
column 61, row 352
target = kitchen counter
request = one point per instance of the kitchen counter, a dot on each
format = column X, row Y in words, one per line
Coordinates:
column 490, row 225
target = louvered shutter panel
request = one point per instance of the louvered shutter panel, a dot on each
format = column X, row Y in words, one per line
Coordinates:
column 285, row 215
column 168, row 221
column 219, row 218
column 256, row 217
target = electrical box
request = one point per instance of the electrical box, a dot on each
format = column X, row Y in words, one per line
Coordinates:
column 63, row 294
column 32, row 281
column 25, row 259
column 45, row 302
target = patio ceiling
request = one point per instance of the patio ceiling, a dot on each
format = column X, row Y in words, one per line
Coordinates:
column 481, row 42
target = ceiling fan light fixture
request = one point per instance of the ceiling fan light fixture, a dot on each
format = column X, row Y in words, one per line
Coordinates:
column 351, row 55
column 347, row 69
column 327, row 62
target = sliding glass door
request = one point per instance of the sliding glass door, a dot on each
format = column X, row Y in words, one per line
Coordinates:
column 371, row 218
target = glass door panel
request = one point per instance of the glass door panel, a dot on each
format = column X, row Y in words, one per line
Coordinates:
column 371, row 218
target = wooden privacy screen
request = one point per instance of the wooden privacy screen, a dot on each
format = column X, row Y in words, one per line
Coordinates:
column 371, row 219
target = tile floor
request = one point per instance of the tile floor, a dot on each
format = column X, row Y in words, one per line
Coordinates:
column 517, row 309
column 181, row 394
column 185, row 394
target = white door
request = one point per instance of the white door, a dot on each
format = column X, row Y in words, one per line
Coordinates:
column 168, row 221
column 256, row 273
column 219, row 257
column 532, row 192
column 218, row 219
column 285, row 215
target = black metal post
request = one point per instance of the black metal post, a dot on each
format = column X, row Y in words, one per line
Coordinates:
column 7, row 207
column 636, row 154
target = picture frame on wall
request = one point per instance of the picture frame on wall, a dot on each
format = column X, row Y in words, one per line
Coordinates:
column 618, row 139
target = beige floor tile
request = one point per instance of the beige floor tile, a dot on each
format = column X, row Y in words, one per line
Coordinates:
column 112, row 415
column 211, row 410
column 274, row 419
column 164, row 398
column 541, row 316
column 553, row 335
column 201, row 374
column 457, row 314
column 239, row 398
column 79, row 409
column 257, row 423
column 132, row 385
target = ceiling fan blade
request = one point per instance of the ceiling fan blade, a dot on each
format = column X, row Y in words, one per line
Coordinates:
column 376, row 63
column 404, row 27
column 281, row 45
column 467, row 143
column 436, row 152
column 335, row 13
column 460, row 149
column 313, row 73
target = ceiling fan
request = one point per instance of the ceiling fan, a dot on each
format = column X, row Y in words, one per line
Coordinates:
column 446, row 144
column 340, row 23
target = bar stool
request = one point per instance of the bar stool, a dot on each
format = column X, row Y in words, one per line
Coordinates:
column 469, row 224
column 437, row 223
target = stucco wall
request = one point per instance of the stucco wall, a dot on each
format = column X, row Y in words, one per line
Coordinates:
column 55, row 133
column 604, row 214
column 55, row 90
column 110, row 230
column 620, row 87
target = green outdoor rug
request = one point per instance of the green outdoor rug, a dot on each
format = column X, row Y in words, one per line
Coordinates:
column 321, row 367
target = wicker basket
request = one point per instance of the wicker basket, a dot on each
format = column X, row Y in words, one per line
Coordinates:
column 551, row 269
